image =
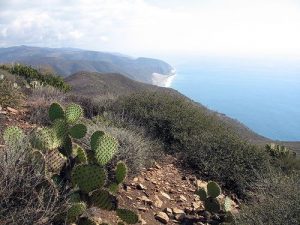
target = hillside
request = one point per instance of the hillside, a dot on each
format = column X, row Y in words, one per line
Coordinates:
column 93, row 85
column 66, row 61
column 146, row 155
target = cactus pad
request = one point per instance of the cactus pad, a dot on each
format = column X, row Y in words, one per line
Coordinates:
column 113, row 188
column 106, row 148
column 80, row 154
column 56, row 112
column 54, row 161
column 213, row 189
column 212, row 205
column 86, row 221
column 12, row 135
column 201, row 192
column 74, row 197
column 128, row 216
column 121, row 172
column 45, row 139
column 73, row 113
column 78, row 131
column 88, row 177
column 76, row 210
column 103, row 199
column 95, row 139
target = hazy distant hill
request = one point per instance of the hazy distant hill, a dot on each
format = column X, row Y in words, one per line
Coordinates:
column 66, row 61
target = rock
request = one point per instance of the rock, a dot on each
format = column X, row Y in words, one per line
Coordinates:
column 141, row 187
column 142, row 221
column 143, row 209
column 179, row 217
column 156, row 165
column 165, row 195
column 157, row 202
column 168, row 211
column 12, row 110
column 135, row 179
column 177, row 211
column 162, row 217
column 182, row 198
column 196, row 205
column 145, row 200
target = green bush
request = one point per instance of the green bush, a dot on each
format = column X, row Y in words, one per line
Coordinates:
column 31, row 74
column 277, row 202
column 212, row 149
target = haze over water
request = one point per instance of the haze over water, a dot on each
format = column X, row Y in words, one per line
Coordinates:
column 262, row 94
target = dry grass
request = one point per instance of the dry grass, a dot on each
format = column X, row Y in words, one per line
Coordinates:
column 27, row 197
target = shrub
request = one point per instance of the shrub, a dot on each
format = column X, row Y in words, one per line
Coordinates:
column 277, row 202
column 31, row 74
column 207, row 144
column 136, row 149
column 26, row 196
column 39, row 100
column 10, row 95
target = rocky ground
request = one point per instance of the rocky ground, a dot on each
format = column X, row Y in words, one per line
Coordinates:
column 163, row 194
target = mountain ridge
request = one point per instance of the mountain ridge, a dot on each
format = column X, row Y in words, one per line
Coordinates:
column 67, row 61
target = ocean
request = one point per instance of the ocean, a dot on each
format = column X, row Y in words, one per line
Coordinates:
column 262, row 94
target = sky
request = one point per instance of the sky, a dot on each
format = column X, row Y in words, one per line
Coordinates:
column 216, row 27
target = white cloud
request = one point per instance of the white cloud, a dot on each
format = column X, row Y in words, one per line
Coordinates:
column 173, row 26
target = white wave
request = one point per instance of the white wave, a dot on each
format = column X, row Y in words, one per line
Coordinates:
column 163, row 80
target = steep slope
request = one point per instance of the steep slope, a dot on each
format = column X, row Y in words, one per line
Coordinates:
column 66, row 61
column 96, row 84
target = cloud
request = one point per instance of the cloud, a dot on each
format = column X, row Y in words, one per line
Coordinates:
column 150, row 26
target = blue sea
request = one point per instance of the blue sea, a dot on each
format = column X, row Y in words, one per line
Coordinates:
column 262, row 94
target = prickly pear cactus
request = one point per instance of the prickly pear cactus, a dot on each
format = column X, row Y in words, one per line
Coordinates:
column 73, row 113
column 78, row 131
column 213, row 189
column 89, row 177
column 121, row 172
column 45, row 139
column 54, row 161
column 103, row 199
column 212, row 205
column 56, row 112
column 75, row 211
column 80, row 154
column 104, row 146
column 201, row 192
column 128, row 216
column 13, row 135
column 86, row 221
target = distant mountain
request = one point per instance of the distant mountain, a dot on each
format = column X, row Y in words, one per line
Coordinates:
column 66, row 61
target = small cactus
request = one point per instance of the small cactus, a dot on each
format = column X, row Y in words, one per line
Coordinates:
column 103, row 199
column 78, row 131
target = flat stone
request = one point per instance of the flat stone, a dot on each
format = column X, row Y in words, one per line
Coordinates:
column 12, row 110
column 141, row 187
column 177, row 211
column 162, row 217
column 157, row 202
column 165, row 195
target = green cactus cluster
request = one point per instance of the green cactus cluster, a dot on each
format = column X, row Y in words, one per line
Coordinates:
column 279, row 151
column 70, row 166
column 209, row 195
